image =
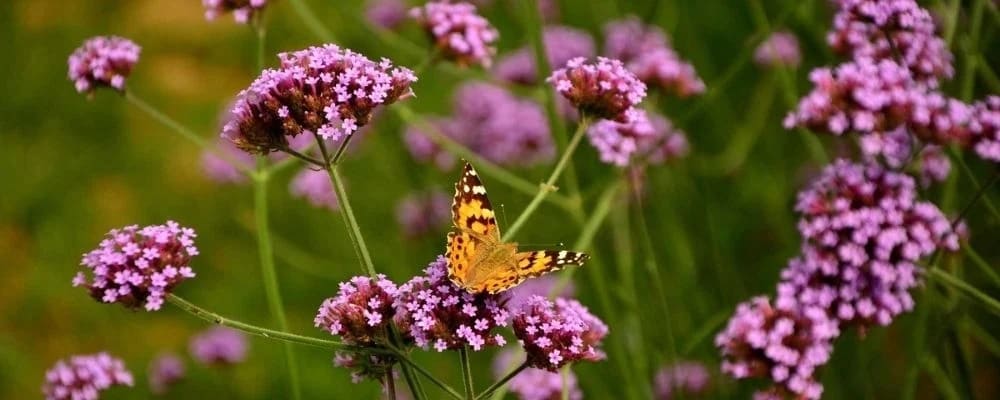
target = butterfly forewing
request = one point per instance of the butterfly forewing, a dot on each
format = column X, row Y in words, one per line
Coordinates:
column 535, row 263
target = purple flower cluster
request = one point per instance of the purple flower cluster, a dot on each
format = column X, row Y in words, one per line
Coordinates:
column 84, row 377
column 423, row 212
column 434, row 312
column 781, row 49
column 102, row 61
column 165, row 371
column 645, row 135
column 138, row 267
column 361, row 310
column 785, row 345
column 558, row 333
column 540, row 286
column 326, row 91
column 459, row 33
column 934, row 165
column 864, row 232
column 687, row 377
column 603, row 89
column 986, row 127
column 219, row 346
column 535, row 384
column 243, row 10
column 388, row 14
column 221, row 170
column 646, row 51
column 364, row 366
column 878, row 30
column 425, row 150
column 562, row 44
column 315, row 186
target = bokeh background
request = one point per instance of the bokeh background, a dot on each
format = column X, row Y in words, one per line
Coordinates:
column 720, row 220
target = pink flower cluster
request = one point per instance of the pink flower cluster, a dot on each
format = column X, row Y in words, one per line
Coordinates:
column 603, row 89
column 138, row 267
column 780, row 49
column 364, row 366
column 561, row 43
column 687, row 377
column 326, row 91
column 986, row 127
column 103, row 61
column 315, row 186
column 785, row 345
column 219, row 346
column 646, row 135
column 165, row 371
column 388, row 14
column 423, row 212
column 646, row 52
column 558, row 333
column 459, row 33
column 434, row 312
column 536, row 384
column 84, row 377
column 243, row 10
column 361, row 310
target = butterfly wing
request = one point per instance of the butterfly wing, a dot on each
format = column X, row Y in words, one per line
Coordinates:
column 475, row 227
column 536, row 263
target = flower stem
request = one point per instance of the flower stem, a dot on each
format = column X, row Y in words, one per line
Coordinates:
column 654, row 271
column 416, row 367
column 586, row 237
column 266, row 252
column 251, row 329
column 941, row 276
column 311, row 21
column 549, row 185
column 503, row 381
column 463, row 355
column 353, row 231
column 390, row 385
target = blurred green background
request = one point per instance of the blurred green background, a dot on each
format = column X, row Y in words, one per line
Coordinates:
column 721, row 221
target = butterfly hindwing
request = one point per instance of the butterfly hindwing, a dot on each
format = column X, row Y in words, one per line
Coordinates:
column 535, row 263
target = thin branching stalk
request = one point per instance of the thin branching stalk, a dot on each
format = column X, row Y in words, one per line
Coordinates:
column 422, row 371
column 502, row 381
column 653, row 269
column 470, row 390
column 981, row 263
column 991, row 304
column 390, row 385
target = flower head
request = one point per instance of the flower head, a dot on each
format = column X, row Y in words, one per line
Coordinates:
column 388, row 14
column 361, row 310
column 562, row 44
column 84, row 377
column 327, row 91
column 688, row 377
column 935, row 166
column 423, row 212
column 139, row 266
column 243, row 10
column 784, row 345
column 986, row 127
column 165, row 371
column 864, row 233
column 219, row 346
column 540, row 286
column 646, row 51
column 502, row 127
column 425, row 150
column 459, row 33
column 535, row 384
column 604, row 89
column 221, row 170
column 780, row 49
column 103, row 61
column 558, row 333
column 364, row 366
column 434, row 312
column 315, row 186
column 645, row 135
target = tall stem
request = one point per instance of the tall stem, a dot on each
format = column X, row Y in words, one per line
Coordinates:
column 992, row 304
column 353, row 230
column 548, row 186
column 312, row 22
column 390, row 385
column 502, row 381
column 470, row 391
column 266, row 253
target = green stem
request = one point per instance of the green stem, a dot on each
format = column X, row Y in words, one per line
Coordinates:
column 311, row 21
column 353, row 230
column 944, row 385
column 969, row 74
column 416, row 367
column 653, row 269
column 390, row 385
column 270, row 277
column 957, row 156
column 502, row 381
column 586, row 237
column 463, row 355
column 549, row 184
column 941, row 276
column 564, row 375
column 252, row 329
column 979, row 195
column 979, row 262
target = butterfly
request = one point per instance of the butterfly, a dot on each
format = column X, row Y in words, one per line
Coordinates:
column 478, row 260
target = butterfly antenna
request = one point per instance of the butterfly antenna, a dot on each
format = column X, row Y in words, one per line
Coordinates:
column 543, row 245
column 503, row 214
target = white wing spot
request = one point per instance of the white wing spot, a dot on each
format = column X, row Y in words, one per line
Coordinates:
column 478, row 189
column 465, row 188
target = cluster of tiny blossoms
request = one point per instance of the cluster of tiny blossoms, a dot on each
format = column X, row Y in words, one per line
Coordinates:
column 561, row 43
column 102, row 61
column 434, row 312
column 780, row 49
column 361, row 310
column 388, row 14
column 646, row 51
column 165, row 371
column 326, row 91
column 558, row 333
column 986, row 125
column 84, row 377
column 138, row 267
column 687, row 377
column 243, row 10
column 646, row 135
column 533, row 383
column 459, row 33
column 219, row 346
column 603, row 89
column 423, row 212
column 315, row 187
column 785, row 345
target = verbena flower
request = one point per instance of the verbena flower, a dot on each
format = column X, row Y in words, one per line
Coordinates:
column 103, row 61
column 360, row 312
column 137, row 267
column 646, row 51
column 602, row 89
column 388, row 14
column 364, row 366
column 502, row 127
column 898, row 29
column 327, row 91
column 459, row 33
column 84, row 377
column 425, row 150
column 222, row 170
column 165, row 371
column 535, row 384
column 645, row 135
column 420, row 213
column 219, row 346
column 243, row 10
column 864, row 232
column 558, row 333
column 934, row 165
column 315, row 187
column 985, row 125
column 562, row 44
column 780, row 49
column 687, row 377
column 891, row 148
column 540, row 286
column 783, row 345
column 434, row 312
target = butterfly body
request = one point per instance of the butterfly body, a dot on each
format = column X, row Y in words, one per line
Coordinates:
column 478, row 259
